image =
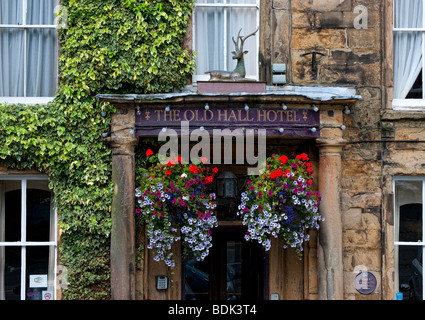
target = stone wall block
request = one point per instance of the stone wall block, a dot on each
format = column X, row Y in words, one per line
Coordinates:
column 322, row 5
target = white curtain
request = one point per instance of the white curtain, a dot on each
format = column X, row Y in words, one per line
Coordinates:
column 214, row 29
column 407, row 45
column 39, row 62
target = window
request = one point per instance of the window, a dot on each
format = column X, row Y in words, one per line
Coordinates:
column 27, row 238
column 409, row 244
column 28, row 51
column 409, row 47
column 215, row 23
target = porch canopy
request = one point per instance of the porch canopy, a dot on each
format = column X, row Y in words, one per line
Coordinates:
column 305, row 112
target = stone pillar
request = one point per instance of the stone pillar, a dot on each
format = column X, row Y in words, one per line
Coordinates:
column 123, row 220
column 331, row 281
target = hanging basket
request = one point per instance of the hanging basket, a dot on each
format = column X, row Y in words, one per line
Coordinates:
column 174, row 205
column 280, row 203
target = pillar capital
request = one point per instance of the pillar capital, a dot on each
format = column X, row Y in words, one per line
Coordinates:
column 327, row 146
column 123, row 145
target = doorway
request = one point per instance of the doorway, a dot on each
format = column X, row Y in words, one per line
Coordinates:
column 234, row 269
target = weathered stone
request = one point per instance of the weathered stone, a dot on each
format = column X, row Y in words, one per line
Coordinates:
column 361, row 176
column 348, row 57
column 322, row 5
column 351, row 75
column 352, row 218
column 307, row 39
column 362, row 238
column 281, row 4
column 363, row 38
column 281, row 36
column 303, row 19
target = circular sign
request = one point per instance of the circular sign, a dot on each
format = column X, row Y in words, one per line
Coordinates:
column 365, row 282
column 47, row 296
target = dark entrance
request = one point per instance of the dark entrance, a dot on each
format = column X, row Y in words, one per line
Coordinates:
column 234, row 269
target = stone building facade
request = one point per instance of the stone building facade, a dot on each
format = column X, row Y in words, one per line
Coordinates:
column 364, row 150
column 365, row 143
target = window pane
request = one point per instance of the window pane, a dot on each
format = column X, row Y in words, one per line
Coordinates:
column 41, row 65
column 245, row 19
column 417, row 89
column 12, row 211
column 408, row 13
column 11, row 12
column 41, row 12
column 12, row 273
column 234, row 270
column 409, row 204
column 11, row 62
column 38, row 211
column 215, row 28
column 410, row 272
column 196, row 279
column 37, row 272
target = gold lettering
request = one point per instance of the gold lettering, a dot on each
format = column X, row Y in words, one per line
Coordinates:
column 289, row 116
column 261, row 115
column 305, row 115
column 246, row 116
column 295, row 116
column 211, row 115
column 220, row 115
column 281, row 112
column 268, row 116
column 232, row 115
column 197, row 115
column 167, row 114
column 176, row 115
column 158, row 114
column 193, row 115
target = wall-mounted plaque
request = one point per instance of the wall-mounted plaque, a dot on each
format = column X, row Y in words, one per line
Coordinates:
column 365, row 282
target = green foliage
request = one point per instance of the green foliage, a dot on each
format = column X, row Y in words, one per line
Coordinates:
column 108, row 46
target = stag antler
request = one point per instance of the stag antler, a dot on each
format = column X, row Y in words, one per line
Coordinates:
column 236, row 42
column 242, row 39
column 246, row 37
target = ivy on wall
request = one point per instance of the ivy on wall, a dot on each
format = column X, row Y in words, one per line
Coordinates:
column 110, row 46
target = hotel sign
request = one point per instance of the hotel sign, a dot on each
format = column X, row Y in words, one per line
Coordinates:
column 292, row 122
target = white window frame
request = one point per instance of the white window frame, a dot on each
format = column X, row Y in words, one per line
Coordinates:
column 412, row 104
column 396, row 229
column 23, row 243
column 24, row 99
column 199, row 77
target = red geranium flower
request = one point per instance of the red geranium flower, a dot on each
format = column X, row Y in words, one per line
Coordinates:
column 283, row 159
column 171, row 162
column 193, row 169
column 149, row 152
column 303, row 157
column 168, row 172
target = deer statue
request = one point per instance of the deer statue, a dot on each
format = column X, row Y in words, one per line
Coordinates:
column 238, row 74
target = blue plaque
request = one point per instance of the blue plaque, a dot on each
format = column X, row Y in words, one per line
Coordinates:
column 365, row 282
